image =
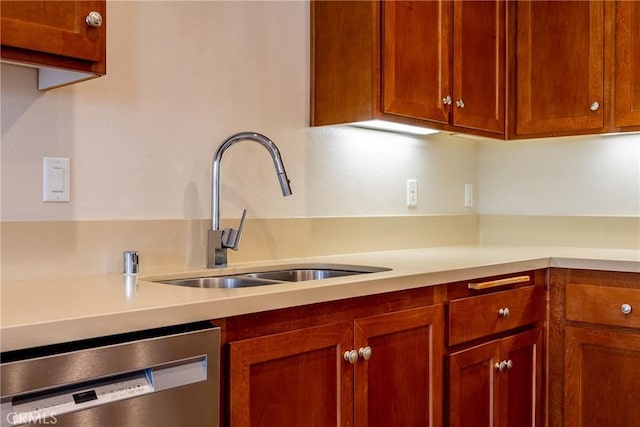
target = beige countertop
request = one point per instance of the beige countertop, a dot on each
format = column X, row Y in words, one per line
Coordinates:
column 48, row 311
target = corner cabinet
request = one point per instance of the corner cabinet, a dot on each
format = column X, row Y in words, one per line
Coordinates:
column 594, row 348
column 577, row 68
column 66, row 40
column 627, row 65
column 560, row 67
column 394, row 61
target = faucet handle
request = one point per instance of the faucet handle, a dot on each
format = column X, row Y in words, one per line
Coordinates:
column 231, row 237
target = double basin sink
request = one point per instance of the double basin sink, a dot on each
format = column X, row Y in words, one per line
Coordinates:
column 298, row 273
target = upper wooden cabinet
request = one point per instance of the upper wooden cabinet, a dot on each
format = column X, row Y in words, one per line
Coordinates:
column 627, row 65
column 577, row 68
column 503, row 69
column 560, row 67
column 55, row 35
column 394, row 61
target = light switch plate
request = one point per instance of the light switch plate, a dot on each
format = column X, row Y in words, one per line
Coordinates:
column 56, row 179
column 468, row 195
column 412, row 193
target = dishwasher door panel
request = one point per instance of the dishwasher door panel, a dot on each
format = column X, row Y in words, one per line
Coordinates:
column 176, row 370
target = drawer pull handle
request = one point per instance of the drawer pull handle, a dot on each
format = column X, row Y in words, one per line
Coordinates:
column 499, row 282
column 504, row 312
column 365, row 353
column 625, row 309
column 351, row 356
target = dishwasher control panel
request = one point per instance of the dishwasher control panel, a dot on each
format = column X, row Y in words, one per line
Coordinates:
column 78, row 398
column 40, row 407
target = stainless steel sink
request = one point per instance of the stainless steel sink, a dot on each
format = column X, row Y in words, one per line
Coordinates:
column 219, row 282
column 299, row 273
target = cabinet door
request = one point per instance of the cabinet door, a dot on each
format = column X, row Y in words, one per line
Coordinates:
column 602, row 369
column 401, row 383
column 559, row 63
column 521, row 393
column 627, row 84
column 473, row 386
column 498, row 383
column 54, row 27
column 416, row 61
column 296, row 378
column 479, row 65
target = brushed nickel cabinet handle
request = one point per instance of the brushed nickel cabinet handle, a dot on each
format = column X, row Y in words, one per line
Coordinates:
column 447, row 100
column 625, row 309
column 504, row 312
column 365, row 353
column 499, row 282
column 94, row 19
column 351, row 356
column 594, row 106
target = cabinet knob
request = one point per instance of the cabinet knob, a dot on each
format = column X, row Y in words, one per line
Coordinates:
column 447, row 100
column 460, row 103
column 595, row 106
column 94, row 19
column 625, row 309
column 504, row 312
column 351, row 356
column 365, row 353
column 505, row 365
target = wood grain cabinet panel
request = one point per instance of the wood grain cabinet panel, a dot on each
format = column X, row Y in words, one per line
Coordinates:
column 416, row 68
column 603, row 305
column 498, row 383
column 627, row 64
column 478, row 316
column 301, row 377
column 55, row 34
column 479, row 66
column 401, row 384
column 438, row 64
column 602, row 373
column 560, row 67
column 296, row 378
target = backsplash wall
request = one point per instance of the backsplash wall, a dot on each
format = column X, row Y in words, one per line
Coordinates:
column 182, row 76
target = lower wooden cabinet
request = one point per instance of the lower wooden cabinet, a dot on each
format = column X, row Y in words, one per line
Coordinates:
column 401, row 384
column 305, row 378
column 498, row 383
column 295, row 378
column 602, row 376
column 593, row 348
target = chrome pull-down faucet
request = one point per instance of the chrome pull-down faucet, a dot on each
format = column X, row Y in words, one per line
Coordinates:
column 221, row 240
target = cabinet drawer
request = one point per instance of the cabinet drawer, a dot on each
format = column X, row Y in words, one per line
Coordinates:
column 603, row 304
column 478, row 316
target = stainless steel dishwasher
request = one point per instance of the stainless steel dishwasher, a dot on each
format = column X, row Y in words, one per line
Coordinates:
column 160, row 377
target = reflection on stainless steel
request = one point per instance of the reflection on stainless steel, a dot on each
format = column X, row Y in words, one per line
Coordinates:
column 160, row 377
column 271, row 277
column 219, row 282
column 221, row 240
column 130, row 285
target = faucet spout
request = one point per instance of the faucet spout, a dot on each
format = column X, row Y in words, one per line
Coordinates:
column 217, row 253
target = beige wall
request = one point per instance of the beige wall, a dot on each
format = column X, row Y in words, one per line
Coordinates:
column 182, row 76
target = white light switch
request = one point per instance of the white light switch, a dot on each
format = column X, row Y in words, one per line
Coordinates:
column 56, row 179
column 468, row 195
column 412, row 193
